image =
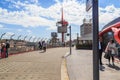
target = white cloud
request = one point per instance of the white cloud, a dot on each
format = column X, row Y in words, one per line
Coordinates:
column 29, row 32
column 35, row 1
column 33, row 15
column 108, row 14
column 3, row 27
column 57, row 1
column 8, row 34
column 20, row 30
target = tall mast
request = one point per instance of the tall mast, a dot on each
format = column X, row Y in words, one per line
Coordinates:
column 62, row 25
column 62, row 14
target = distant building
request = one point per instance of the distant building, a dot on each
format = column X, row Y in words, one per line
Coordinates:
column 86, row 32
column 85, row 41
column 86, row 28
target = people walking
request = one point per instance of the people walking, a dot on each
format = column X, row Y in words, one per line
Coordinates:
column 7, row 47
column 100, row 50
column 40, row 45
column 111, row 50
column 3, row 50
column 44, row 46
column 0, row 49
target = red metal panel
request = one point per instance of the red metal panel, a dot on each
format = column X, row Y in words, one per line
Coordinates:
column 115, row 28
column 116, row 25
column 116, row 34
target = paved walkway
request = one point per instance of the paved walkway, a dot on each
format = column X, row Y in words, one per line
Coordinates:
column 80, row 67
column 33, row 65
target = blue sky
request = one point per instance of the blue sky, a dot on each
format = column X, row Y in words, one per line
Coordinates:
column 37, row 18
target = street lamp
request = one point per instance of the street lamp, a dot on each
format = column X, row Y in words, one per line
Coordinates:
column 70, row 41
column 69, row 34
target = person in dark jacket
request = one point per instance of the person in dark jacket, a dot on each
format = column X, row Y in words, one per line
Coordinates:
column 44, row 46
column 40, row 45
column 100, row 50
column 3, row 50
column 7, row 47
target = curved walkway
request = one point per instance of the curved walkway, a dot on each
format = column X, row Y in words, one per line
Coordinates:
column 33, row 65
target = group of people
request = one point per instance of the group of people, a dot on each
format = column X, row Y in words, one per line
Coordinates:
column 42, row 45
column 4, row 49
column 110, row 50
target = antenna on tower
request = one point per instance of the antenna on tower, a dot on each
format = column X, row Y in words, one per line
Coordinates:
column 62, row 14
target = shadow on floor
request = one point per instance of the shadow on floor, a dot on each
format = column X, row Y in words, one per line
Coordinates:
column 113, row 66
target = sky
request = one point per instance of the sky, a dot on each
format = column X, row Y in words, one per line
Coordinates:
column 37, row 18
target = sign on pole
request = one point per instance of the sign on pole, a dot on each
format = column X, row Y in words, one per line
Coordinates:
column 62, row 29
column 88, row 5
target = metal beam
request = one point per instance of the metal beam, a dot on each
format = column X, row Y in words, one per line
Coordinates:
column 95, row 40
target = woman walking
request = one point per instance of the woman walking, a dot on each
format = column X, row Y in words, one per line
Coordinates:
column 3, row 50
column 111, row 50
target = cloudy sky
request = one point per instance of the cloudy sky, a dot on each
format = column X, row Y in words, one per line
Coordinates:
column 37, row 18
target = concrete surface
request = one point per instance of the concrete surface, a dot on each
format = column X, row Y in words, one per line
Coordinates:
column 33, row 65
column 80, row 67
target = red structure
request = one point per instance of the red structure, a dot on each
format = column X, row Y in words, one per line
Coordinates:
column 63, row 23
column 115, row 28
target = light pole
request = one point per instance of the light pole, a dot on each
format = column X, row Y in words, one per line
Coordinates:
column 70, row 41
column 95, row 39
column 69, row 34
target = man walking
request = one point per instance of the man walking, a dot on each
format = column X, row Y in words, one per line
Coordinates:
column 40, row 45
column 44, row 46
column 7, row 47
column 100, row 50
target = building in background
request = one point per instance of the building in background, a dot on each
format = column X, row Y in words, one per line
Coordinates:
column 85, row 41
